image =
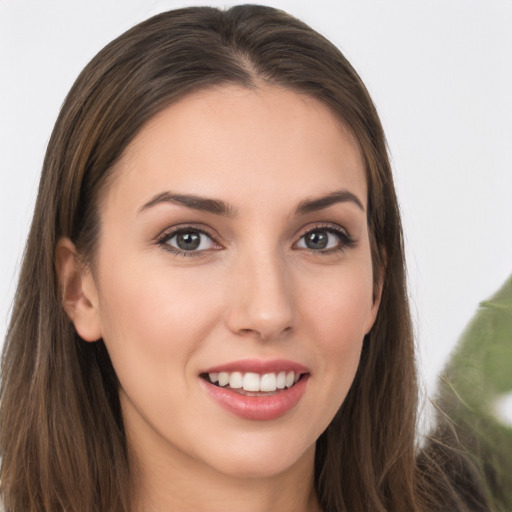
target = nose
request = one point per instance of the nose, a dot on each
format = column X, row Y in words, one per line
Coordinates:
column 261, row 298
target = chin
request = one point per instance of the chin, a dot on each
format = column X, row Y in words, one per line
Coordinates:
column 254, row 460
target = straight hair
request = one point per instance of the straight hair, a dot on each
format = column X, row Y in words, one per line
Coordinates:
column 62, row 439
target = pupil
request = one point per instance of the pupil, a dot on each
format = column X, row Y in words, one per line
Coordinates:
column 317, row 240
column 188, row 241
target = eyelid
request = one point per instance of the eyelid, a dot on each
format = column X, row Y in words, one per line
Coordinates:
column 322, row 225
column 172, row 231
column 346, row 240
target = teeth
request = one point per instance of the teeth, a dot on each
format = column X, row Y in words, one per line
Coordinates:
column 235, row 380
column 223, row 378
column 251, row 382
column 268, row 382
column 254, row 382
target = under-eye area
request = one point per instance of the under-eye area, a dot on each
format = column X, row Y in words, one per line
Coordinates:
column 250, row 382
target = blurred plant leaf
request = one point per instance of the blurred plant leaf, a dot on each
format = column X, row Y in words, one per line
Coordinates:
column 477, row 377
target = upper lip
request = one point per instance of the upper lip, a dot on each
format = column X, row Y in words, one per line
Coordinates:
column 258, row 366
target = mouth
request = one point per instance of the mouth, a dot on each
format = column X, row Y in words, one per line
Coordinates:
column 257, row 390
column 254, row 384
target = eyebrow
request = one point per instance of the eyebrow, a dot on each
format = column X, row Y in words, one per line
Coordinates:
column 215, row 206
column 340, row 196
column 218, row 207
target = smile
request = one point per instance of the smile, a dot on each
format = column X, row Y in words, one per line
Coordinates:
column 253, row 384
column 256, row 390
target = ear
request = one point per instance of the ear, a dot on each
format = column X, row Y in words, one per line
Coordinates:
column 78, row 291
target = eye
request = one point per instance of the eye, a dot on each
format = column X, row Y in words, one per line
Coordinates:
column 325, row 239
column 187, row 241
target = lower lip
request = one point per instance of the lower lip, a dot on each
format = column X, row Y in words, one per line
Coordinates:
column 258, row 408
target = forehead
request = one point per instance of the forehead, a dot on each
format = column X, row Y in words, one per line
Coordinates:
column 234, row 142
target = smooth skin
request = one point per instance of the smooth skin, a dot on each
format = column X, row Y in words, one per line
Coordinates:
column 257, row 278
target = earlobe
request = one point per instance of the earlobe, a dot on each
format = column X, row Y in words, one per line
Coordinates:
column 78, row 291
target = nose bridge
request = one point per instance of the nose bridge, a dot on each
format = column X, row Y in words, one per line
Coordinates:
column 262, row 294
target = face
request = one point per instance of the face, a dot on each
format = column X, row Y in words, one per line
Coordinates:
column 233, row 279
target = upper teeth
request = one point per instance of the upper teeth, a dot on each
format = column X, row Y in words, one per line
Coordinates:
column 255, row 382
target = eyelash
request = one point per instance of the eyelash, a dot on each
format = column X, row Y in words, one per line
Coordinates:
column 345, row 240
column 189, row 228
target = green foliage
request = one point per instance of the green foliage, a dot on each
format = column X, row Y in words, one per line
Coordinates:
column 478, row 375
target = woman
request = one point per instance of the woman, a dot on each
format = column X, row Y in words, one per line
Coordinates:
column 212, row 309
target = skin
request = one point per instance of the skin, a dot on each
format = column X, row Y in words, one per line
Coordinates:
column 254, row 290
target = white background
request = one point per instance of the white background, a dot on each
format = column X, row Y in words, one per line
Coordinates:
column 440, row 72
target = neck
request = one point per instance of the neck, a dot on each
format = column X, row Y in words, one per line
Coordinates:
column 171, row 481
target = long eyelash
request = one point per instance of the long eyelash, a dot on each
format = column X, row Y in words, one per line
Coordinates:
column 347, row 242
column 166, row 235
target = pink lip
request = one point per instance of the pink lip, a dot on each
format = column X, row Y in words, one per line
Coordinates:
column 259, row 366
column 263, row 407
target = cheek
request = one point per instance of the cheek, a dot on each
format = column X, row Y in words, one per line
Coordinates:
column 340, row 330
column 154, row 321
column 336, row 314
column 153, row 316
column 339, row 305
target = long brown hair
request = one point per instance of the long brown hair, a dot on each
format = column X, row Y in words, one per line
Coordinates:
column 62, row 439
